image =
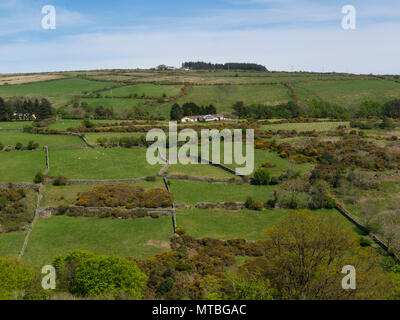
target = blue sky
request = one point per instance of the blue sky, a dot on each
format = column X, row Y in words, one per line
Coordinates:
column 280, row 34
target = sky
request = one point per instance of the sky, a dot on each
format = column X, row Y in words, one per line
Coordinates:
column 290, row 35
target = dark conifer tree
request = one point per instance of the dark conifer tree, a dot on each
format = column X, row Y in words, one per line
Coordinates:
column 176, row 113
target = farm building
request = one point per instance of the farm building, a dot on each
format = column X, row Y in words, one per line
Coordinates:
column 206, row 118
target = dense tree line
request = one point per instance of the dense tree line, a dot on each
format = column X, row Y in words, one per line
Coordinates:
column 25, row 109
column 317, row 109
column 227, row 66
column 260, row 111
column 190, row 109
column 390, row 109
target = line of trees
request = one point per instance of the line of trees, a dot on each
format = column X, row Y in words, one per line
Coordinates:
column 317, row 109
column 190, row 109
column 391, row 109
column 25, row 109
column 227, row 66
column 260, row 111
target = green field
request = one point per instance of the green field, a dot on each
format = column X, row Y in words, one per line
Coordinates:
column 220, row 77
column 245, row 224
column 11, row 243
column 14, row 124
column 223, row 97
column 92, row 137
column 260, row 156
column 192, row 192
column 64, row 124
column 11, row 138
column 348, row 93
column 199, row 170
column 149, row 90
column 138, row 238
column 21, row 166
column 100, row 164
column 54, row 88
column 116, row 104
column 317, row 126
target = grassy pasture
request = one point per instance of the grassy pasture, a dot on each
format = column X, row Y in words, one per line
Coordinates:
column 118, row 105
column 317, row 126
column 101, row 164
column 386, row 198
column 11, row 243
column 199, row 170
column 139, row 238
column 222, row 76
column 8, row 79
column 261, row 156
column 11, row 138
column 223, row 97
column 245, row 224
column 64, row 124
column 21, row 166
column 92, row 137
column 148, row 89
column 61, row 101
column 192, row 192
column 14, row 124
column 348, row 93
column 63, row 87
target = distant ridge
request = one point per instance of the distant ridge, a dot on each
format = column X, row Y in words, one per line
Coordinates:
column 227, row 66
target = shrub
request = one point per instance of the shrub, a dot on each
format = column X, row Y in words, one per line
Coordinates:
column 19, row 146
column 60, row 181
column 19, row 281
column 274, row 181
column 261, row 177
column 87, row 274
column 124, row 195
column 330, row 202
column 62, row 209
column 14, row 213
column 21, row 192
column 267, row 165
column 39, row 178
column 180, row 231
column 141, row 213
column 249, row 202
column 257, row 205
column 88, row 124
column 365, row 242
column 32, row 145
